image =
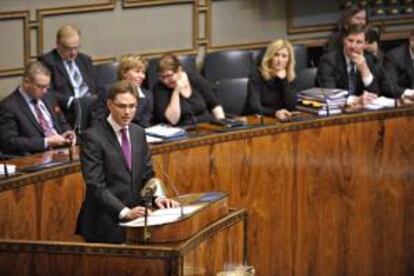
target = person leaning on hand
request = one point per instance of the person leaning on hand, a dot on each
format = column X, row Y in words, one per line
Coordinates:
column 30, row 118
column 183, row 98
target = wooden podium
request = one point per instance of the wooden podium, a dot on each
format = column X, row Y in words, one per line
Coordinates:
column 206, row 242
column 211, row 207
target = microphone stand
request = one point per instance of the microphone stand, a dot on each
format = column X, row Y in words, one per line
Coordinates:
column 147, row 233
column 173, row 186
column 6, row 171
column 78, row 122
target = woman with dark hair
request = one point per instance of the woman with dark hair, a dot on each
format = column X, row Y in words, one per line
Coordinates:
column 373, row 45
column 352, row 15
column 183, row 98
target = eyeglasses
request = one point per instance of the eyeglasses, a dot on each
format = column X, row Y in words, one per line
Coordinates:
column 125, row 106
column 41, row 86
column 68, row 49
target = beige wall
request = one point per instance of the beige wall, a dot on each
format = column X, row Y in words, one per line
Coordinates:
column 114, row 27
column 109, row 29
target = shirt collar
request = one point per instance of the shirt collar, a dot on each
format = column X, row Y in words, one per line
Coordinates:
column 26, row 96
column 116, row 127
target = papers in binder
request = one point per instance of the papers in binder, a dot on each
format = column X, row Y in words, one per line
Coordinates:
column 11, row 169
column 165, row 131
column 162, row 216
column 152, row 139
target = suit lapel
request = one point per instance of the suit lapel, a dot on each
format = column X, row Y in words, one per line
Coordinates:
column 409, row 64
column 114, row 141
column 26, row 109
column 136, row 154
column 62, row 69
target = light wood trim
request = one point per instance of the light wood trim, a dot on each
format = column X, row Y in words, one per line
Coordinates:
column 144, row 3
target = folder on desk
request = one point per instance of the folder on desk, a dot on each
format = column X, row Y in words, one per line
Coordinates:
column 165, row 131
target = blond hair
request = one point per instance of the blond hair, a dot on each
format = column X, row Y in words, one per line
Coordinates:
column 35, row 68
column 67, row 31
column 271, row 50
column 129, row 62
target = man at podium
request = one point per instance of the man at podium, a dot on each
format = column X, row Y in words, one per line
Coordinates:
column 115, row 164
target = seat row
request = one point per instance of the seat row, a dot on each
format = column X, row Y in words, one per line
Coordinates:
column 228, row 70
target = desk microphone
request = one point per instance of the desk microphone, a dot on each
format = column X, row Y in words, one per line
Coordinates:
column 171, row 183
column 6, row 171
column 78, row 121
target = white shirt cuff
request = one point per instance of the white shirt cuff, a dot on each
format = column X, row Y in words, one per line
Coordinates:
column 123, row 213
column 45, row 141
column 368, row 80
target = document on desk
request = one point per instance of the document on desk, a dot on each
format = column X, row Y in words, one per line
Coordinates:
column 162, row 216
column 380, row 102
column 165, row 131
column 11, row 169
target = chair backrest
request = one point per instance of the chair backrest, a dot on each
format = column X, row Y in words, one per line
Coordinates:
column 188, row 62
column 106, row 73
column 227, row 65
column 306, row 78
column 301, row 56
column 232, row 95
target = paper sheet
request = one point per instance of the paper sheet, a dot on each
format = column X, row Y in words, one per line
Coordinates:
column 162, row 216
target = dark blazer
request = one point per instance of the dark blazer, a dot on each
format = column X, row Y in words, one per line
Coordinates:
column 332, row 72
column 400, row 69
column 110, row 185
column 60, row 82
column 20, row 132
column 267, row 96
column 143, row 114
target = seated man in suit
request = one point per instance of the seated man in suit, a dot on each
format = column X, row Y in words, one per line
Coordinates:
column 116, row 163
column 30, row 120
column 73, row 76
column 131, row 67
column 399, row 65
column 351, row 69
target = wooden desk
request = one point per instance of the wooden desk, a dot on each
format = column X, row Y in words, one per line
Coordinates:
column 332, row 196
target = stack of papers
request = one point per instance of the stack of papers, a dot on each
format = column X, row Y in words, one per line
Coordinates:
column 165, row 131
column 11, row 169
column 162, row 216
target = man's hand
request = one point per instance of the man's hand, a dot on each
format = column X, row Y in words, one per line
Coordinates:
column 135, row 213
column 163, row 203
column 361, row 64
column 56, row 140
column 70, row 137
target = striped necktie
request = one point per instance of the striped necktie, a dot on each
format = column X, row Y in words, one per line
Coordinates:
column 78, row 82
column 47, row 129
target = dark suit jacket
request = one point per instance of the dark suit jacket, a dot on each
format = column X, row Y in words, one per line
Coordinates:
column 110, row 185
column 60, row 82
column 143, row 114
column 332, row 72
column 400, row 70
column 20, row 132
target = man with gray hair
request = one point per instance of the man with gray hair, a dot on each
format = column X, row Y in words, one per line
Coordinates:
column 30, row 119
column 73, row 76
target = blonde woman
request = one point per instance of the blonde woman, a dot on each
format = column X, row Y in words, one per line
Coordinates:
column 132, row 68
column 270, row 89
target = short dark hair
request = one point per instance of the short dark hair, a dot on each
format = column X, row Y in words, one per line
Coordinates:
column 347, row 14
column 168, row 62
column 354, row 29
column 121, row 87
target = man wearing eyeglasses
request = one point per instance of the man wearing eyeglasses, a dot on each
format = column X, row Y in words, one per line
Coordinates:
column 115, row 163
column 30, row 119
column 73, row 76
